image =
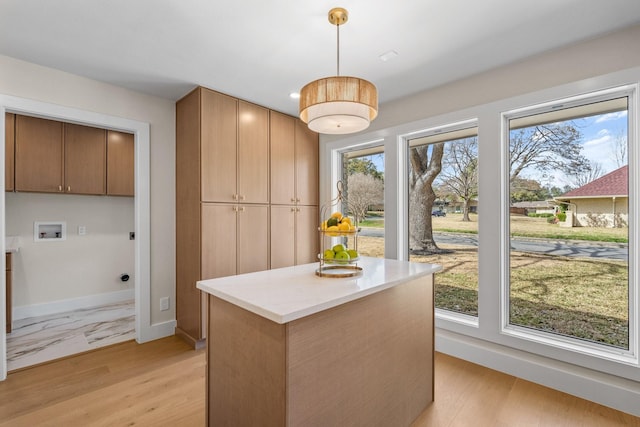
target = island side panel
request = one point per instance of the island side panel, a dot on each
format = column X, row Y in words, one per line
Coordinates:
column 368, row 362
column 245, row 368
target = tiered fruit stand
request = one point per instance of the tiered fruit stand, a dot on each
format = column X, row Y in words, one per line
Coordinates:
column 329, row 238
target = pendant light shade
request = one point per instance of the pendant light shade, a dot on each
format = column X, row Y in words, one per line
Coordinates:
column 338, row 105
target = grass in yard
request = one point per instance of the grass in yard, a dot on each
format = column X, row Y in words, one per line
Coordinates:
column 583, row 298
column 524, row 226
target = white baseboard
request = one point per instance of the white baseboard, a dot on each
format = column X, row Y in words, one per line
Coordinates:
column 608, row 390
column 62, row 306
column 156, row 331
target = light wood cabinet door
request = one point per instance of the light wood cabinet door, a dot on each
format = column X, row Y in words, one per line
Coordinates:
column 219, row 131
column 39, row 155
column 253, row 238
column 283, row 236
column 307, row 235
column 85, row 150
column 306, row 163
column 282, row 138
column 9, row 147
column 120, row 164
column 219, row 231
column 253, row 153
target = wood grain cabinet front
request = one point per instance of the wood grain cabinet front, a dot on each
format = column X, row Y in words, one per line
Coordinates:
column 9, row 148
column 234, row 150
column 85, row 152
column 120, row 164
column 56, row 157
column 39, row 155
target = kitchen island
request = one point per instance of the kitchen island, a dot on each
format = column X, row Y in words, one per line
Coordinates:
column 288, row 348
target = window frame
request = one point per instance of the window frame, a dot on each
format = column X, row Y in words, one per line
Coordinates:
column 564, row 343
column 438, row 131
column 484, row 342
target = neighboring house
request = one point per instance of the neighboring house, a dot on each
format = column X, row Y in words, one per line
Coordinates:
column 533, row 207
column 603, row 202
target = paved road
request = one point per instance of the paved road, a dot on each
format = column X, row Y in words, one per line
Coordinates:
column 549, row 247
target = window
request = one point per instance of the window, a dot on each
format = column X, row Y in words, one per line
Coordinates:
column 443, row 212
column 363, row 180
column 569, row 221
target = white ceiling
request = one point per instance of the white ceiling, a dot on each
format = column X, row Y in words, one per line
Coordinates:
column 261, row 50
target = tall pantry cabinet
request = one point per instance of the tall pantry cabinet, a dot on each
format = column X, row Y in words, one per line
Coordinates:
column 224, row 196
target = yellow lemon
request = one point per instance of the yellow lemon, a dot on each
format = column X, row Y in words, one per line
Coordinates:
column 343, row 226
column 323, row 226
column 345, row 219
column 337, row 215
column 333, row 228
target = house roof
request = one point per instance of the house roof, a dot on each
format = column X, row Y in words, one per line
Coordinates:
column 614, row 183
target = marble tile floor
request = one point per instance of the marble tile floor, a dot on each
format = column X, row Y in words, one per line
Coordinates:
column 36, row 340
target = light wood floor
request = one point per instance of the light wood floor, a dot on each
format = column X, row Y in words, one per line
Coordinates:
column 162, row 383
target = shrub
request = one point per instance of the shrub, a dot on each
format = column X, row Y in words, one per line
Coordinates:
column 539, row 215
column 562, row 216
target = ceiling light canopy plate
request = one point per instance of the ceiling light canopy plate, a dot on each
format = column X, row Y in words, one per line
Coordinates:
column 338, row 16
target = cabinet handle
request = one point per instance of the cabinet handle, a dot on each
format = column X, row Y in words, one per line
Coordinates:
column 297, row 209
column 297, row 200
column 293, row 209
column 235, row 197
column 293, row 199
column 59, row 187
column 69, row 189
column 235, row 209
column 242, row 197
column 242, row 209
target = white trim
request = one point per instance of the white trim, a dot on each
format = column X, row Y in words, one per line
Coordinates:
column 550, row 339
column 144, row 330
column 64, row 305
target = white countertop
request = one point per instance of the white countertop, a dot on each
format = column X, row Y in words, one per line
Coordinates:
column 291, row 293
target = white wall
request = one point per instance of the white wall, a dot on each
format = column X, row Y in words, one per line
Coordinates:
column 78, row 266
column 26, row 80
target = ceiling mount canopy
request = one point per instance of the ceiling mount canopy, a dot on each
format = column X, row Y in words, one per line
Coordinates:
column 338, row 105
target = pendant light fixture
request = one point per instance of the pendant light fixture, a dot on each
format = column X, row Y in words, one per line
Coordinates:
column 338, row 105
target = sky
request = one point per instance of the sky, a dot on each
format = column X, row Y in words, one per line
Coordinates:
column 599, row 134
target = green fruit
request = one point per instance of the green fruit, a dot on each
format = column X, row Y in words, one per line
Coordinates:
column 343, row 257
column 332, row 221
column 329, row 254
column 353, row 253
column 339, row 248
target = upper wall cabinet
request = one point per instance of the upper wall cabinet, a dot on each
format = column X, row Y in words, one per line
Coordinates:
column 39, row 155
column 307, row 170
column 9, row 147
column 56, row 157
column 294, row 162
column 85, row 151
column 234, row 150
column 120, row 164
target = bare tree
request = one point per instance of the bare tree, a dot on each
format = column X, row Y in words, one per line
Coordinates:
column 547, row 147
column 620, row 146
column 363, row 190
column 460, row 171
column 426, row 164
column 581, row 178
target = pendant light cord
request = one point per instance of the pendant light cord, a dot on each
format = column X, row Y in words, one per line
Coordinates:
column 338, row 49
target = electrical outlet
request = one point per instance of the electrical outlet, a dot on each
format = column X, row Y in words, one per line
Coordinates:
column 82, row 230
column 164, row 303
